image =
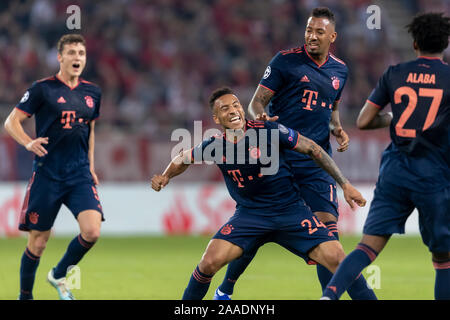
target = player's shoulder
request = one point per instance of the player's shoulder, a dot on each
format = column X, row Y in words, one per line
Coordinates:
column 44, row 81
column 288, row 55
column 338, row 62
column 91, row 86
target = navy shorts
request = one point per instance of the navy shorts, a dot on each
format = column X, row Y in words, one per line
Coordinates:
column 297, row 229
column 318, row 189
column 392, row 205
column 45, row 196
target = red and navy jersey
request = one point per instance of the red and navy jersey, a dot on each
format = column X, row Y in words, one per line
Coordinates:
column 419, row 94
column 304, row 93
column 241, row 164
column 63, row 115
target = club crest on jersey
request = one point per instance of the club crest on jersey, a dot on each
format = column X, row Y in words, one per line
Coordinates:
column 335, row 82
column 34, row 217
column 267, row 72
column 226, row 230
column 89, row 101
column 255, row 153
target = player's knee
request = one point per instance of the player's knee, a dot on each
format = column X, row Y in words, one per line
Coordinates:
column 91, row 235
column 37, row 246
column 333, row 255
column 210, row 264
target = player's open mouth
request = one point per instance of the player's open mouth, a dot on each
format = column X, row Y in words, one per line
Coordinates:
column 313, row 45
column 235, row 119
column 76, row 65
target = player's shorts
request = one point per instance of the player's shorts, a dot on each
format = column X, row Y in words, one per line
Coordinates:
column 318, row 189
column 45, row 196
column 295, row 228
column 392, row 205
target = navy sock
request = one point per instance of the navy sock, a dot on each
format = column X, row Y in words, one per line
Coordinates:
column 75, row 252
column 28, row 269
column 359, row 289
column 198, row 285
column 234, row 270
column 442, row 283
column 349, row 270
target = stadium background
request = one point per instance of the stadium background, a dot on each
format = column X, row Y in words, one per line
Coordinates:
column 156, row 62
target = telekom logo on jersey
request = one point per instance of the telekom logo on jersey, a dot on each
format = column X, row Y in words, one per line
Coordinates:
column 310, row 99
column 257, row 150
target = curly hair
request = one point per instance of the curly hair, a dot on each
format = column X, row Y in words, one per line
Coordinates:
column 430, row 31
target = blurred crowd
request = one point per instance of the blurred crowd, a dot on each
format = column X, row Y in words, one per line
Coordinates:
column 157, row 61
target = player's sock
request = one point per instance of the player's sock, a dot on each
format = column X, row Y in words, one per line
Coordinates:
column 75, row 252
column 198, row 285
column 234, row 270
column 442, row 284
column 28, row 268
column 359, row 289
column 349, row 270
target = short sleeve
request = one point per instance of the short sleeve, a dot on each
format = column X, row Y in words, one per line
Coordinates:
column 380, row 95
column 32, row 100
column 288, row 137
column 198, row 153
column 338, row 97
column 273, row 75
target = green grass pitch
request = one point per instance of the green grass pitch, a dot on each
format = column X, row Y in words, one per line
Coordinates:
column 159, row 268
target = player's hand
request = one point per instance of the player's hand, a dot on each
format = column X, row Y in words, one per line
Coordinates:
column 159, row 182
column 265, row 117
column 94, row 177
column 36, row 146
column 353, row 196
column 341, row 138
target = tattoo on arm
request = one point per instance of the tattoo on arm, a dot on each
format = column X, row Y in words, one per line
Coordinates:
column 260, row 100
column 322, row 158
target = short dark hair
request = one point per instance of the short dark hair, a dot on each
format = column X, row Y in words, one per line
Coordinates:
column 323, row 12
column 216, row 94
column 430, row 31
column 68, row 39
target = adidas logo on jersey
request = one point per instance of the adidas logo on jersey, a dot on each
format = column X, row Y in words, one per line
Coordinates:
column 61, row 100
column 304, row 79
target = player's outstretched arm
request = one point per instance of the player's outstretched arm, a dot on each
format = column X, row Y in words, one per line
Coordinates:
column 13, row 126
column 177, row 166
column 259, row 101
column 371, row 118
column 309, row 147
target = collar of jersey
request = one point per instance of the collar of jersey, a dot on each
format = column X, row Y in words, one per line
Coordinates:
column 430, row 58
column 318, row 65
column 66, row 84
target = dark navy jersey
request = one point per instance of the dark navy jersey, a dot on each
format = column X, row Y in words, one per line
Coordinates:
column 244, row 179
column 62, row 114
column 419, row 94
column 304, row 93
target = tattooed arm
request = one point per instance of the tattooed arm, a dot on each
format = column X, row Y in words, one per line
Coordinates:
column 177, row 166
column 259, row 101
column 309, row 147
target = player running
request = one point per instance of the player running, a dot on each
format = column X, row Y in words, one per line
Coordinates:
column 65, row 108
column 304, row 86
column 415, row 167
column 267, row 205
